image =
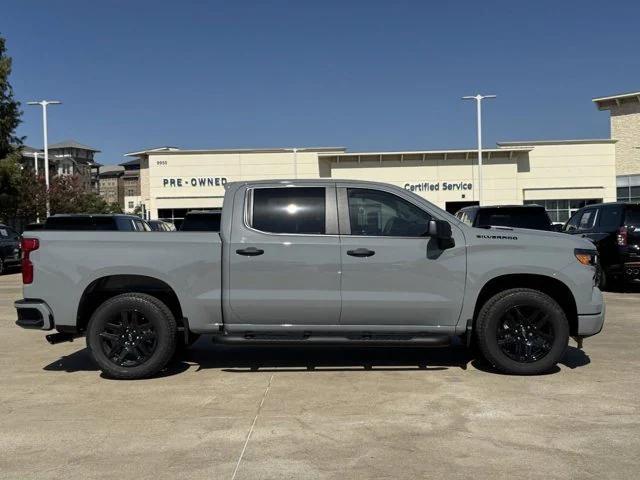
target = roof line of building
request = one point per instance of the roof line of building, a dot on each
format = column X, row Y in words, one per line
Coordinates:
column 428, row 152
column 163, row 151
column 555, row 142
column 614, row 97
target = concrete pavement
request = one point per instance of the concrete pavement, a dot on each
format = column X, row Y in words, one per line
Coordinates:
column 321, row 412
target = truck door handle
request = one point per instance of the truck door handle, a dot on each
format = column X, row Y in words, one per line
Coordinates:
column 250, row 251
column 361, row 252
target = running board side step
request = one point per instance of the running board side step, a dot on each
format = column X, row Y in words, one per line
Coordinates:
column 351, row 340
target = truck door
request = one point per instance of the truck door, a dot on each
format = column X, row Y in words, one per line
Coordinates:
column 284, row 256
column 392, row 273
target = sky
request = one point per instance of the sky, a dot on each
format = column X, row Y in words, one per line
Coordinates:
column 367, row 75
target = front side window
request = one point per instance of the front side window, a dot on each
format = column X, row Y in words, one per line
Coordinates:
column 298, row 210
column 587, row 220
column 383, row 214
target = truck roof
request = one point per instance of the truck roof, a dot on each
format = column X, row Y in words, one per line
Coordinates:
column 309, row 181
column 478, row 207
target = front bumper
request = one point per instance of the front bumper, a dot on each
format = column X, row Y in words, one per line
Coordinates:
column 591, row 324
column 34, row 314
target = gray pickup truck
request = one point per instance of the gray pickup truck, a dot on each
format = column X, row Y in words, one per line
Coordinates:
column 308, row 262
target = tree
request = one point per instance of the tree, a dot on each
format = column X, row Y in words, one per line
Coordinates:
column 67, row 194
column 10, row 186
column 9, row 108
column 33, row 197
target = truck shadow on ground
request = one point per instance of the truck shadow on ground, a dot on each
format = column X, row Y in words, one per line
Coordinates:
column 204, row 356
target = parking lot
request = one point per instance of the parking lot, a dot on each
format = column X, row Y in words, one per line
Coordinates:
column 320, row 413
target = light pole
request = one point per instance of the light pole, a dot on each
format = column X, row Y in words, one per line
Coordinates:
column 478, row 98
column 295, row 163
column 43, row 104
column 35, row 161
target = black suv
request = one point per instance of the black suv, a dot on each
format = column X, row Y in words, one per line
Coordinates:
column 9, row 248
column 127, row 223
column 201, row 221
column 615, row 230
column 531, row 216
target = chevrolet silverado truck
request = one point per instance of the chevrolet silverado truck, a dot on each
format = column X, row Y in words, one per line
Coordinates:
column 309, row 262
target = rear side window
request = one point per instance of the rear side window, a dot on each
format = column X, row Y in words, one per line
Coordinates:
column 299, row 210
column 610, row 218
column 104, row 223
column 632, row 217
column 525, row 217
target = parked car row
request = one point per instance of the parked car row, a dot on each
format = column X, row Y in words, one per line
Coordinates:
column 194, row 221
column 9, row 248
column 613, row 227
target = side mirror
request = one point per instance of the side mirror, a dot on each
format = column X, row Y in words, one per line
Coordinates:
column 441, row 231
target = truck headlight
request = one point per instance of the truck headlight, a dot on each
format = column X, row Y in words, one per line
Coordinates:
column 586, row 257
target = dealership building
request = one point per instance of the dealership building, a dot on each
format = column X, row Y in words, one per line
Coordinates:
column 562, row 175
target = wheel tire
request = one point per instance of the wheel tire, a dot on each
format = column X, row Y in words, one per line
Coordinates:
column 2, row 267
column 491, row 316
column 603, row 279
column 155, row 313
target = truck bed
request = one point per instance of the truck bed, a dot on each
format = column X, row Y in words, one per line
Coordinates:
column 67, row 263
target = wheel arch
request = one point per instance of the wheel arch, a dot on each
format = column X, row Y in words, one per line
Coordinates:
column 551, row 286
column 108, row 286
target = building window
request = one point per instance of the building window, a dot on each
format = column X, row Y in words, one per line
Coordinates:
column 130, row 204
column 628, row 188
column 561, row 210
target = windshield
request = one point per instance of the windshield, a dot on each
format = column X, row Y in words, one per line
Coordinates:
column 517, row 217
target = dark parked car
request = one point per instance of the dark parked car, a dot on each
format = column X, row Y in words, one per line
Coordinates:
column 615, row 230
column 9, row 248
column 201, row 221
column 534, row 217
column 161, row 226
column 127, row 223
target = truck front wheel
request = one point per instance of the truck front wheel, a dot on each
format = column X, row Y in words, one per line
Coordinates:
column 522, row 331
column 132, row 336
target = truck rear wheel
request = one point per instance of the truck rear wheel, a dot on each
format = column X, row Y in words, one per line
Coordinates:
column 132, row 336
column 522, row 331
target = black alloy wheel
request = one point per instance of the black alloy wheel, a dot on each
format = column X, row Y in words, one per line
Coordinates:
column 132, row 335
column 128, row 339
column 525, row 333
column 522, row 331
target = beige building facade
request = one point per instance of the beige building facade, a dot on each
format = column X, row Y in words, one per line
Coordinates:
column 624, row 114
column 562, row 175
